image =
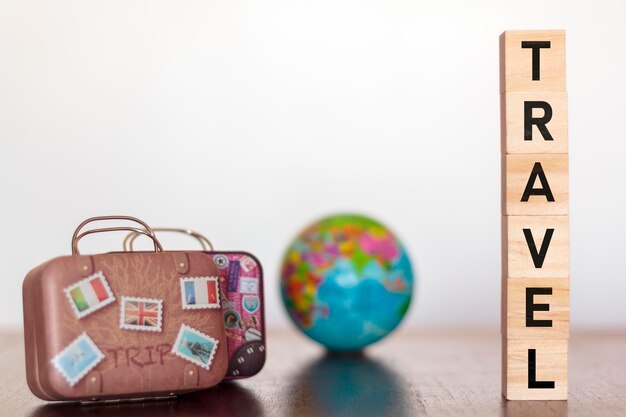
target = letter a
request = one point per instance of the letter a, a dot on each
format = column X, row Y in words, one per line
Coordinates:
column 537, row 172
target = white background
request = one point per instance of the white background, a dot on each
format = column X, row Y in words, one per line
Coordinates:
column 246, row 120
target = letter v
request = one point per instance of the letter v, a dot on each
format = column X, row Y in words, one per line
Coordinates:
column 538, row 256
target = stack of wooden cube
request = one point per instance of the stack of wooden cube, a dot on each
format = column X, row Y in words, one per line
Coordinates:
column 535, row 216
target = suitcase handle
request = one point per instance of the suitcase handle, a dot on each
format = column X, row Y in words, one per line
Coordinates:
column 206, row 243
column 147, row 231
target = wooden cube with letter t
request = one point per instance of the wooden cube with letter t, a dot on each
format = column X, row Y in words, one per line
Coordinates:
column 535, row 209
column 532, row 60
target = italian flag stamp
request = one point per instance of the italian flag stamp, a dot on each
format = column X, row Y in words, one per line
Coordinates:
column 89, row 294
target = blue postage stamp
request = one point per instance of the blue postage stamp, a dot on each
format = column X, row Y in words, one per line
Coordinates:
column 77, row 359
column 195, row 346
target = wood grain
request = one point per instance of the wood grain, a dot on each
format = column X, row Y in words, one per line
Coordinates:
column 453, row 373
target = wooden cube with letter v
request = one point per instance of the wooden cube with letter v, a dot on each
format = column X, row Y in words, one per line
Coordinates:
column 535, row 209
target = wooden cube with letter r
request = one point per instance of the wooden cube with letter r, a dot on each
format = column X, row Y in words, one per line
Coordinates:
column 534, row 122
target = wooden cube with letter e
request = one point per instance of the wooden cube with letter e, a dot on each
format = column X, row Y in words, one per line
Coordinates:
column 537, row 308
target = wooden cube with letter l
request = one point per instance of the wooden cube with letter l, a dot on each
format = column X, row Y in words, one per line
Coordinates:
column 535, row 369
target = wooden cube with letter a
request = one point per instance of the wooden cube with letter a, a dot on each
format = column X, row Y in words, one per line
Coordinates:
column 536, row 184
column 534, row 369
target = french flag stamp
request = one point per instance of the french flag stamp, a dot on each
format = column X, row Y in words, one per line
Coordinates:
column 200, row 292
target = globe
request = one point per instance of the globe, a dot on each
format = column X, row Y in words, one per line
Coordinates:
column 346, row 281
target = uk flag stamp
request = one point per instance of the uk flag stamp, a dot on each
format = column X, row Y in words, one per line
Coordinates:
column 138, row 313
column 195, row 346
column 77, row 359
column 200, row 292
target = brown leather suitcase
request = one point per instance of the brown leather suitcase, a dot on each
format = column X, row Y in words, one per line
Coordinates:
column 123, row 325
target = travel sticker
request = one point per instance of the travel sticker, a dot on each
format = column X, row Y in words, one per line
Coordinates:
column 233, row 276
column 249, row 285
column 89, row 294
column 200, row 292
column 221, row 261
column 247, row 263
column 77, row 359
column 231, row 318
column 248, row 322
column 250, row 303
column 224, row 300
column 143, row 314
column 253, row 334
column 195, row 346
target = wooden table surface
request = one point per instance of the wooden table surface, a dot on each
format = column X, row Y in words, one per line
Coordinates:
column 410, row 373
